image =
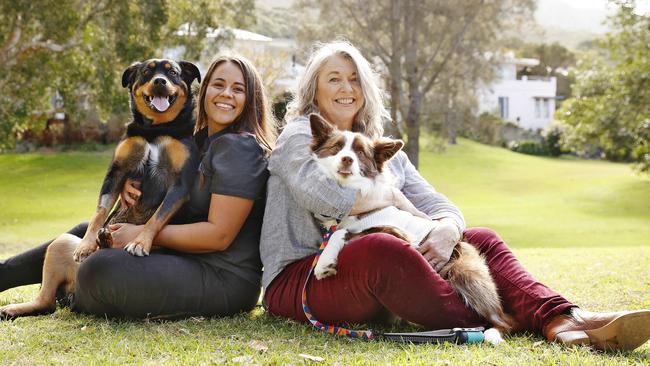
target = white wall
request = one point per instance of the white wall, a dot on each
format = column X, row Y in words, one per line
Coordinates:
column 531, row 101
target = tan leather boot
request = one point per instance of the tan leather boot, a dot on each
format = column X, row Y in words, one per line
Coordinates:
column 625, row 330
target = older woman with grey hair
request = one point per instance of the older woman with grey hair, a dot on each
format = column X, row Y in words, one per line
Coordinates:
column 378, row 272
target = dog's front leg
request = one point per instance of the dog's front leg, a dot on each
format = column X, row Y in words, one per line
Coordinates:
column 174, row 199
column 326, row 265
column 129, row 154
column 404, row 204
column 183, row 163
column 88, row 244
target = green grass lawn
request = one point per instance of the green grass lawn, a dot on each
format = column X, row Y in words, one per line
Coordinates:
column 582, row 227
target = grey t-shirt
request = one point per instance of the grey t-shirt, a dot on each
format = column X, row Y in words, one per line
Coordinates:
column 232, row 164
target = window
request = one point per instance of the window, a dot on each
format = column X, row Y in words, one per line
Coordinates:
column 542, row 108
column 503, row 107
column 546, row 109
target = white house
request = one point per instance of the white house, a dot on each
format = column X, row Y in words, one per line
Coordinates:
column 529, row 101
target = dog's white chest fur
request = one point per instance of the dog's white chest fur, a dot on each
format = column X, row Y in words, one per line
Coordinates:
column 416, row 227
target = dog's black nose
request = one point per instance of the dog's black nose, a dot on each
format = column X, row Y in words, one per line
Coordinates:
column 347, row 161
column 159, row 81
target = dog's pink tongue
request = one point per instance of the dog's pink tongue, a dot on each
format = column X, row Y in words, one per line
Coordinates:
column 161, row 103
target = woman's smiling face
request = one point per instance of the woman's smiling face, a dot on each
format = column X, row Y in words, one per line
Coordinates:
column 225, row 96
column 338, row 92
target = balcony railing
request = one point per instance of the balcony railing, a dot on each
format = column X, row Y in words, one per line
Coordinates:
column 535, row 78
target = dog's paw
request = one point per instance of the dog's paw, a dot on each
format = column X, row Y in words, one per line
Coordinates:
column 83, row 251
column 493, row 336
column 324, row 270
column 104, row 238
column 138, row 247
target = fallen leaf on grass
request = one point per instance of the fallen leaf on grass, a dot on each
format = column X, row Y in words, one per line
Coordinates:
column 310, row 357
column 258, row 346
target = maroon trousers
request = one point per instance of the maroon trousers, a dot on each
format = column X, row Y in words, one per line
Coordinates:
column 378, row 272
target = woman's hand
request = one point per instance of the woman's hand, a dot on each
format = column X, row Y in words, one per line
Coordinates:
column 124, row 233
column 131, row 192
column 439, row 244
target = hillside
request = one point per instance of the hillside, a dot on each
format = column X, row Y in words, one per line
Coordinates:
column 543, row 202
column 530, row 201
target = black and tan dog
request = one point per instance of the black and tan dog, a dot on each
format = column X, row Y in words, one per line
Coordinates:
column 158, row 150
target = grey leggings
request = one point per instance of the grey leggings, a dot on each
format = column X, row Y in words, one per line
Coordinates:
column 163, row 285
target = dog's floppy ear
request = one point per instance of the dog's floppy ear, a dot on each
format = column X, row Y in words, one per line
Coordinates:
column 129, row 74
column 385, row 149
column 321, row 130
column 189, row 72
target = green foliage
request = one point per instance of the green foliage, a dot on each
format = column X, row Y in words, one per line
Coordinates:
column 552, row 140
column 610, row 110
column 486, row 129
column 554, row 60
column 81, row 48
column 529, row 147
column 276, row 22
column 280, row 105
column 549, row 145
column 551, row 57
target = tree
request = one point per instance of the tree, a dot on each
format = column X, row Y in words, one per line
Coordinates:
column 416, row 42
column 554, row 60
column 80, row 48
column 610, row 110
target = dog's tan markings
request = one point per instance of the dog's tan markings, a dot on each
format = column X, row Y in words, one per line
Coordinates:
column 332, row 146
column 137, row 90
column 141, row 245
column 173, row 111
column 321, row 131
column 381, row 229
column 167, row 116
column 385, row 149
column 141, row 106
column 167, row 66
column 129, row 148
column 362, row 145
column 175, row 151
column 152, row 65
column 363, row 148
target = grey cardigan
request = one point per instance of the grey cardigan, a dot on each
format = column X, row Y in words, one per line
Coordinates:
column 297, row 189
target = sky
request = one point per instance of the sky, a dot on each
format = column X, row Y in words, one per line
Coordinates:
column 579, row 15
column 642, row 5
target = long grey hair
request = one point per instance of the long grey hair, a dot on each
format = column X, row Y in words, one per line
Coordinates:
column 369, row 120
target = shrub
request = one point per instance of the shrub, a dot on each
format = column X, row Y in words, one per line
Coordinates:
column 529, row 147
column 553, row 140
column 486, row 129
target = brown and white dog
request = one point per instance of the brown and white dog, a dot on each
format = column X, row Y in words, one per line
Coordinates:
column 355, row 161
